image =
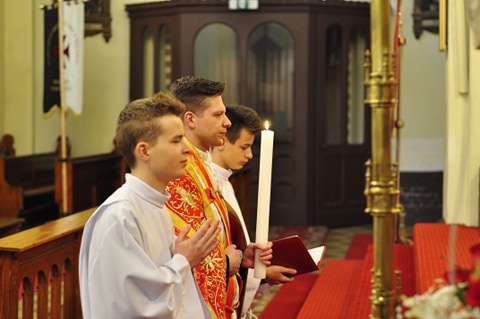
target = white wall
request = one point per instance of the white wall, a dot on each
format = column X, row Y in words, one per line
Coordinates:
column 17, row 85
column 422, row 99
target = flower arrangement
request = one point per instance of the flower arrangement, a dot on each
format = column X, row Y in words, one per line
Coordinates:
column 456, row 296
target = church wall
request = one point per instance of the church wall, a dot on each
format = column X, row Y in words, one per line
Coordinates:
column 106, row 72
column 105, row 82
column 422, row 99
column 423, row 109
column 17, row 62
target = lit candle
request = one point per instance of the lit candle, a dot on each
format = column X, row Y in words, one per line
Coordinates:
column 263, row 204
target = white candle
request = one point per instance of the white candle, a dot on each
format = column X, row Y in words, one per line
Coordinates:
column 263, row 204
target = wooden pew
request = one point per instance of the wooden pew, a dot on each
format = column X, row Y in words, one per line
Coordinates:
column 10, row 225
column 27, row 187
column 41, row 264
column 90, row 180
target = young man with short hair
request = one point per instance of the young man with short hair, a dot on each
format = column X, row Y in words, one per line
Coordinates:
column 234, row 154
column 131, row 265
column 195, row 196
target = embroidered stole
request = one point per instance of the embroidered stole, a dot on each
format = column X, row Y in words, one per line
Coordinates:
column 192, row 197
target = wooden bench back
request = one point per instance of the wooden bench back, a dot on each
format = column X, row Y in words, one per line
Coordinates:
column 30, row 171
column 90, row 180
column 11, row 198
column 39, row 267
column 27, row 187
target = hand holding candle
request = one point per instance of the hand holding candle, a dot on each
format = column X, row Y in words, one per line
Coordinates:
column 263, row 203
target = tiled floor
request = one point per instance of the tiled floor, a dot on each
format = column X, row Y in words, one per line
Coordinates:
column 338, row 240
column 337, row 243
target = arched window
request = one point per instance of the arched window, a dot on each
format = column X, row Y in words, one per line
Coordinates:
column 355, row 105
column 216, row 58
column 270, row 77
column 147, row 40
column 164, row 59
column 333, row 86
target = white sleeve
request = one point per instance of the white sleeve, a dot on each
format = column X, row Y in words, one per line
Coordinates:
column 124, row 281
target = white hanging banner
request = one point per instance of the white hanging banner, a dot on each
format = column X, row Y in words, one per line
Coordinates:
column 73, row 18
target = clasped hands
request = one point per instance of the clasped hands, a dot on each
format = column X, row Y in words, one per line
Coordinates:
column 197, row 247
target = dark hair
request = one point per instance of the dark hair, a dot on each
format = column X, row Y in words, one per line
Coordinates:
column 242, row 117
column 136, row 122
column 192, row 91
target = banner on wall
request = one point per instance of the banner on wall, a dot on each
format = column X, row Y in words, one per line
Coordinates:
column 74, row 26
column 51, row 82
column 73, row 33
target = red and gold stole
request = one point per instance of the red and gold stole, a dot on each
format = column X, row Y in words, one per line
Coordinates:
column 192, row 199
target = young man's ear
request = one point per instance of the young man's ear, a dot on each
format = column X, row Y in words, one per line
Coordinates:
column 141, row 150
column 189, row 118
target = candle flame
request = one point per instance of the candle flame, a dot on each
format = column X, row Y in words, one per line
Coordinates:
column 267, row 125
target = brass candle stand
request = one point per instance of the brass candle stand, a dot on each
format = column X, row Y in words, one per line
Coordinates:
column 382, row 189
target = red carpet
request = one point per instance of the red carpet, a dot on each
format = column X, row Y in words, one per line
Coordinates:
column 360, row 305
column 432, row 242
column 343, row 287
column 290, row 298
column 336, row 284
column 312, row 236
column 358, row 246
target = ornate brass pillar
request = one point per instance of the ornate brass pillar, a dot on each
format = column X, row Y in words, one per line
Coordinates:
column 381, row 178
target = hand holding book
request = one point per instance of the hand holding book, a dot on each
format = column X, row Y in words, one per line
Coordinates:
column 291, row 252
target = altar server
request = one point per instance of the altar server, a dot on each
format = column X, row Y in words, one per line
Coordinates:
column 234, row 154
column 196, row 196
column 131, row 264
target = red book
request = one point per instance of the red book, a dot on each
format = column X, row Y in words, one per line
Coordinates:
column 291, row 252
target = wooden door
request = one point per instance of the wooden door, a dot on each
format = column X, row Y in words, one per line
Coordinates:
column 342, row 143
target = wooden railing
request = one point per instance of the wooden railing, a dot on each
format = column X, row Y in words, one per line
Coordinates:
column 39, row 270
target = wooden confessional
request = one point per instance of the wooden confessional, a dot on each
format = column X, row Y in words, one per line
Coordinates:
column 299, row 64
